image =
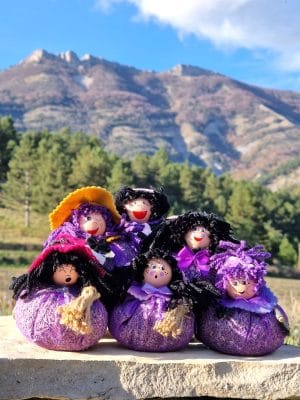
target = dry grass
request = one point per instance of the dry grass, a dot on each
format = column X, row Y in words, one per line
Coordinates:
column 288, row 293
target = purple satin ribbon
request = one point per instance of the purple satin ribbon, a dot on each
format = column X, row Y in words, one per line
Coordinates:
column 186, row 258
column 129, row 230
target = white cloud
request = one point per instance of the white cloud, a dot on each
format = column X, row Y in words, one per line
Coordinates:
column 251, row 24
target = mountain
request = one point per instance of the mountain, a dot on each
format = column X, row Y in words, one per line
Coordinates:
column 197, row 115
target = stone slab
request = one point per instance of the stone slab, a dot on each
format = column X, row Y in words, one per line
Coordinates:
column 108, row 371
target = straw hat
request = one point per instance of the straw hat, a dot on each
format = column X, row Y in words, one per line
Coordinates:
column 89, row 194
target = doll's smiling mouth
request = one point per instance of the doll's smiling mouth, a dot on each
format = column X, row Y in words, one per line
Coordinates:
column 92, row 231
column 68, row 279
column 197, row 238
column 140, row 214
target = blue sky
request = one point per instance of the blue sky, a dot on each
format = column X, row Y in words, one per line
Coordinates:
column 255, row 41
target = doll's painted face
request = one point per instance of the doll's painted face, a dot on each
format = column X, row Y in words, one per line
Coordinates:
column 138, row 210
column 240, row 288
column 197, row 238
column 93, row 223
column 65, row 275
column 158, row 272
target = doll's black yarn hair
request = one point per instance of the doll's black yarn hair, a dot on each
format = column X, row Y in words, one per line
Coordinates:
column 140, row 263
column 171, row 232
column 156, row 197
column 42, row 276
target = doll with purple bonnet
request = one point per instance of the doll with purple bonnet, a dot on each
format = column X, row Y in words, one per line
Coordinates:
column 89, row 213
column 59, row 301
column 143, row 320
column 247, row 320
column 142, row 211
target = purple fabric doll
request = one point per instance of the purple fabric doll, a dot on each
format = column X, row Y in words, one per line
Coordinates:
column 248, row 320
column 145, row 320
column 57, row 300
column 192, row 238
column 89, row 213
column 142, row 211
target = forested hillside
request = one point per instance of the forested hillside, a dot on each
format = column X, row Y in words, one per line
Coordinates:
column 38, row 169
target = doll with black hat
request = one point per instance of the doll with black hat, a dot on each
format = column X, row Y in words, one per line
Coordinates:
column 142, row 211
column 59, row 300
column 192, row 238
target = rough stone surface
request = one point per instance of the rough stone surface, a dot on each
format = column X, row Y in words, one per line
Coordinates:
column 108, row 371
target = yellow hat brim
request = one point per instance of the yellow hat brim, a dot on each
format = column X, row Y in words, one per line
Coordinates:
column 89, row 194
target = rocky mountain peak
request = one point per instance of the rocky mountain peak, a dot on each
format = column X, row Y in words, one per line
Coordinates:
column 70, row 57
column 189, row 70
column 38, row 56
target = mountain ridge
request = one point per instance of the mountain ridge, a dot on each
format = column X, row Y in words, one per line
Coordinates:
column 198, row 115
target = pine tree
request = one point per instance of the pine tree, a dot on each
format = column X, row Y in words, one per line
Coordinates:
column 121, row 174
column 91, row 166
column 52, row 174
column 8, row 140
column 287, row 253
column 20, row 184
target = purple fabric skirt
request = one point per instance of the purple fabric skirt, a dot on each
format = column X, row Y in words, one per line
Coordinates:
column 38, row 321
column 240, row 332
column 131, row 329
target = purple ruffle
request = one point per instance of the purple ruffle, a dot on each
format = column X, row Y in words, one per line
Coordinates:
column 240, row 332
column 38, row 321
column 264, row 303
column 132, row 322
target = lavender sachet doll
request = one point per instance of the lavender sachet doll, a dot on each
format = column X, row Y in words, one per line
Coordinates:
column 142, row 211
column 59, row 300
column 247, row 319
column 89, row 213
column 193, row 238
column 144, row 321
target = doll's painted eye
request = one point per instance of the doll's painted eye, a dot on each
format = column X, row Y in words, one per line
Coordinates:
column 234, row 283
column 200, row 229
column 88, row 217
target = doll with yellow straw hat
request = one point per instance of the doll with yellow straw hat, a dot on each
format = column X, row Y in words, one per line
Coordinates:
column 89, row 213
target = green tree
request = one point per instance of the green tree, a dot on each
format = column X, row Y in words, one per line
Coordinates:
column 121, row 174
column 141, row 171
column 8, row 140
column 20, row 184
column 287, row 253
column 91, row 166
column 244, row 213
column 192, row 187
column 52, row 174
